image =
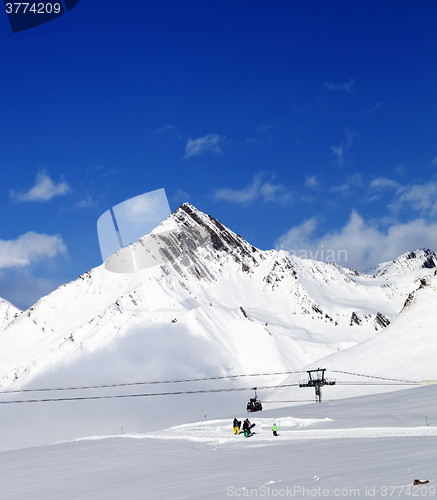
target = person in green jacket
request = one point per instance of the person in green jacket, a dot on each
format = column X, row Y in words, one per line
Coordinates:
column 275, row 430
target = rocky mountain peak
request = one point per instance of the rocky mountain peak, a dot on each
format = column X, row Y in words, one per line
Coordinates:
column 409, row 261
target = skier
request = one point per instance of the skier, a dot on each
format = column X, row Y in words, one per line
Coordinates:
column 275, row 430
column 237, row 424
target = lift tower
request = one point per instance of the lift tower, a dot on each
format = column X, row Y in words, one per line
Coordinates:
column 316, row 379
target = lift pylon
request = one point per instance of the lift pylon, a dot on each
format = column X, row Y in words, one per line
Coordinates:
column 316, row 379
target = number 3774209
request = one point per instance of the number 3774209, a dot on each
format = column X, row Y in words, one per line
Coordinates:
column 35, row 8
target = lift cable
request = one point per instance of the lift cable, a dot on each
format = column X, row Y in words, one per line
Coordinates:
column 204, row 391
column 373, row 376
column 176, row 381
column 376, row 383
column 114, row 396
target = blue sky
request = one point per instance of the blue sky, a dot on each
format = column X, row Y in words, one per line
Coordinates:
column 296, row 123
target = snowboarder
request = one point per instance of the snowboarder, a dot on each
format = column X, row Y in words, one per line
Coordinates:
column 237, row 425
column 275, row 430
column 246, row 428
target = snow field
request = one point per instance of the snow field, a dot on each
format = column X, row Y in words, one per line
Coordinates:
column 171, row 464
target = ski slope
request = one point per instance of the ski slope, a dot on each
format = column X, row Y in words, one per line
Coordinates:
column 405, row 350
column 218, row 307
column 353, row 447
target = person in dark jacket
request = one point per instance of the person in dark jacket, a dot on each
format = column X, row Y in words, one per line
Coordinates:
column 237, row 424
column 246, row 427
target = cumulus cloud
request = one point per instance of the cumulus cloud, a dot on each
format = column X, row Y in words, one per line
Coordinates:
column 43, row 190
column 359, row 244
column 419, row 197
column 30, row 248
column 208, row 144
column 343, row 87
column 256, row 190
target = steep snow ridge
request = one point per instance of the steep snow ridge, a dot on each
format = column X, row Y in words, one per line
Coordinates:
column 257, row 310
column 405, row 350
column 423, row 258
column 7, row 313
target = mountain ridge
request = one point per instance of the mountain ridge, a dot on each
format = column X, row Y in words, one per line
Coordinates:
column 254, row 308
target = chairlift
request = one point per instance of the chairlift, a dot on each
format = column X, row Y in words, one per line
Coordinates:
column 254, row 404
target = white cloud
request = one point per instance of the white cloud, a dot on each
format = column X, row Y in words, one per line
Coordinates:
column 354, row 180
column 85, row 203
column 344, row 87
column 420, row 197
column 434, row 162
column 339, row 151
column 208, row 144
column 359, row 244
column 383, row 182
column 266, row 191
column 43, row 190
column 311, row 182
column 29, row 248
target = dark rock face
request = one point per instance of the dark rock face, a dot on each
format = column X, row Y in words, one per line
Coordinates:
column 381, row 320
column 355, row 320
column 429, row 263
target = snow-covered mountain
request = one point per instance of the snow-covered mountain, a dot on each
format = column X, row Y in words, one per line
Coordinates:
column 226, row 305
column 406, row 350
column 408, row 261
column 7, row 313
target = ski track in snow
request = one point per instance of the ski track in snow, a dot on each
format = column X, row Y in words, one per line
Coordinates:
column 220, row 432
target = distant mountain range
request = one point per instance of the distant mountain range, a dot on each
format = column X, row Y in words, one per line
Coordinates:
column 224, row 305
column 403, row 353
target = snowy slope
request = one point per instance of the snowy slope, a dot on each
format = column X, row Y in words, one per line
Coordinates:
column 240, row 309
column 361, row 447
column 406, row 350
column 7, row 313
